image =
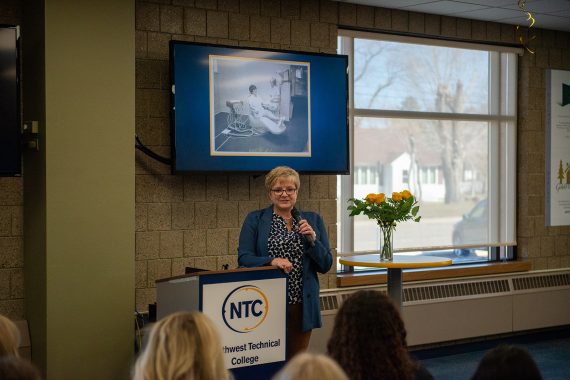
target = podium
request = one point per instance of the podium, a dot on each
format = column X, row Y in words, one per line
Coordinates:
column 249, row 307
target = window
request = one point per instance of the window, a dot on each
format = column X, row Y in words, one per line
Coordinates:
column 438, row 118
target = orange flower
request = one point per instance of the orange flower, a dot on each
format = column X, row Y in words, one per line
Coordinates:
column 375, row 198
column 406, row 194
column 396, row 197
column 370, row 198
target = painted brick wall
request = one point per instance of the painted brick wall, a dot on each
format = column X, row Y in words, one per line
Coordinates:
column 11, row 221
column 193, row 220
column 545, row 247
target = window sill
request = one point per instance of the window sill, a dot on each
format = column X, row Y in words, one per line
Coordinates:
column 379, row 277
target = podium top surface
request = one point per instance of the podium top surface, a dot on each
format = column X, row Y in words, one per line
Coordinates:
column 399, row 261
column 215, row 272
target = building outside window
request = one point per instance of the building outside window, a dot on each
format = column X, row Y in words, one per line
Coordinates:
column 438, row 118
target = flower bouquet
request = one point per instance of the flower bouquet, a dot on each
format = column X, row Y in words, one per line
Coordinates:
column 387, row 212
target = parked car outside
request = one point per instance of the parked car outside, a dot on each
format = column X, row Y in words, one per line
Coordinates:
column 472, row 228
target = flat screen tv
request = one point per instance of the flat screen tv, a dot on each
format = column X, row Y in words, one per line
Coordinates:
column 10, row 130
column 249, row 110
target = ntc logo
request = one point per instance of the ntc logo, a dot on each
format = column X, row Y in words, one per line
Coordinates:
column 245, row 308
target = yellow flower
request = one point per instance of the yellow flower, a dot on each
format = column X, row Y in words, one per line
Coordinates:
column 370, row 198
column 406, row 194
column 375, row 198
column 396, row 197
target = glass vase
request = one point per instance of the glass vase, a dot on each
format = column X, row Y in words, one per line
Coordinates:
column 386, row 241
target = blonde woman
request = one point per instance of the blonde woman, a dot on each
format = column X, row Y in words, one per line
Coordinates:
column 9, row 337
column 294, row 241
column 182, row 346
column 307, row 366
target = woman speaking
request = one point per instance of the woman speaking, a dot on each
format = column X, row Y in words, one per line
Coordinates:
column 295, row 242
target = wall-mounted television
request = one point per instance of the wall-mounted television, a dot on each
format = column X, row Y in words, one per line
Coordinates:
column 248, row 110
column 10, row 129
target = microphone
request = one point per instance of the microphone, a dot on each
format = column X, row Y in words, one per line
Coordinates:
column 297, row 216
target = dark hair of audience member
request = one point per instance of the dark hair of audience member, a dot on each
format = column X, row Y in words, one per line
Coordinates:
column 16, row 368
column 369, row 339
column 507, row 362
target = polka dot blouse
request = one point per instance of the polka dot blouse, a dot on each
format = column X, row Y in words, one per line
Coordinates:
column 286, row 244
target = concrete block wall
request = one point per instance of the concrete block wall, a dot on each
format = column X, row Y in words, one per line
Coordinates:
column 11, row 216
column 11, row 248
column 194, row 220
column 545, row 247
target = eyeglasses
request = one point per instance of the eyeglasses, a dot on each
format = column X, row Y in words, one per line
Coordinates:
column 288, row 191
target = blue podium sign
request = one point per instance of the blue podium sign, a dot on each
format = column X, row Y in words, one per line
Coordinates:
column 249, row 307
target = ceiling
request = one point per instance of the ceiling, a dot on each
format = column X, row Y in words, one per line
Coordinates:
column 549, row 14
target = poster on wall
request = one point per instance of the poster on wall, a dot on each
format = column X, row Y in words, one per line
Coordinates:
column 557, row 208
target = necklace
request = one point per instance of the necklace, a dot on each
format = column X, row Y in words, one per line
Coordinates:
column 287, row 218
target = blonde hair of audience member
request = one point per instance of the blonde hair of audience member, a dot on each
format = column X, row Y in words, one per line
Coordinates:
column 308, row 366
column 9, row 337
column 182, row 346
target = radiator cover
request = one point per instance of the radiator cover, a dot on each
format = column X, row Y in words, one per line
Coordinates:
column 457, row 309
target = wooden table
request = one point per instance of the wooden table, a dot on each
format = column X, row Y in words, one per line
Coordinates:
column 394, row 268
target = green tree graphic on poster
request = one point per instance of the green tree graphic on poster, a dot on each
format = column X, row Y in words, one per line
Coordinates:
column 562, row 173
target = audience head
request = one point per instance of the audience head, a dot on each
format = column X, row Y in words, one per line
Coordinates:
column 369, row 338
column 307, row 366
column 182, row 346
column 9, row 337
column 15, row 368
column 507, row 362
column 252, row 88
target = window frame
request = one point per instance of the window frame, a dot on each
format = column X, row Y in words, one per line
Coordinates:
column 502, row 119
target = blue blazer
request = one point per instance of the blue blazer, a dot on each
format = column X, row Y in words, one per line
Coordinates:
column 252, row 252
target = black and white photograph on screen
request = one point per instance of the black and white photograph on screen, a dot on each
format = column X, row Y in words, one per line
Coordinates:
column 259, row 107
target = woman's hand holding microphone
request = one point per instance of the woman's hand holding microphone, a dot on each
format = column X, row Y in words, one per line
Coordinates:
column 306, row 230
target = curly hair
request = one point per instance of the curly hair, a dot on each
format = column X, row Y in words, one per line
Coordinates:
column 369, row 338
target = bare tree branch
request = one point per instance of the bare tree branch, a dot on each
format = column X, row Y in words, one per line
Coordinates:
column 368, row 58
column 388, row 83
